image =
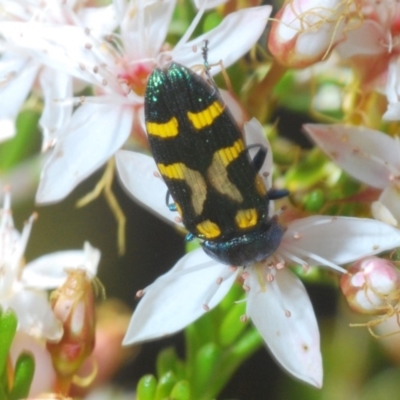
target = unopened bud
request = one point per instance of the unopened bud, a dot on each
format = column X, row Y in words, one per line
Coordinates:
column 73, row 305
column 372, row 286
column 306, row 30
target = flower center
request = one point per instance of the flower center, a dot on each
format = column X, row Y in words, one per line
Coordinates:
column 135, row 77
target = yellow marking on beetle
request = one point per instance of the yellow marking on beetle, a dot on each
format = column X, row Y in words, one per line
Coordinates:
column 206, row 117
column 208, row 229
column 228, row 154
column 163, row 130
column 172, row 171
column 218, row 175
column 194, row 180
column 260, row 185
column 246, row 218
column 198, row 187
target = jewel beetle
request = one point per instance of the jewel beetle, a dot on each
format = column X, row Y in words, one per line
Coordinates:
column 201, row 155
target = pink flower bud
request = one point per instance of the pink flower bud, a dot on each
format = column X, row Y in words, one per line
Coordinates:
column 73, row 305
column 372, row 286
column 306, row 30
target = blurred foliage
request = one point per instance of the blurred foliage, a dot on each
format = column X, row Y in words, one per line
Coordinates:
column 15, row 380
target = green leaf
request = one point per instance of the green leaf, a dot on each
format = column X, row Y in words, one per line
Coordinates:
column 232, row 327
column 165, row 385
column 235, row 293
column 211, row 21
column 192, row 245
column 8, row 327
column 196, row 335
column 166, row 361
column 23, row 375
column 292, row 96
column 25, row 143
column 146, row 388
column 3, row 394
column 181, row 391
column 233, row 357
column 206, row 368
column 309, row 172
column 248, row 344
column 315, row 200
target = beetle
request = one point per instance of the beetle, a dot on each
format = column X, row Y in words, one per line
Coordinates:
column 201, row 155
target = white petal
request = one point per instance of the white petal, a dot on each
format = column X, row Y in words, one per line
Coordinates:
column 49, row 271
column 338, row 240
column 177, row 298
column 120, row 7
column 95, row 133
column 145, row 27
column 136, row 172
column 55, row 86
column 229, row 41
column 236, row 109
column 103, row 19
column 92, row 259
column 254, row 134
column 393, row 112
column 209, row 3
column 35, row 315
column 70, row 49
column 393, row 90
column 390, row 198
column 16, row 79
column 380, row 212
column 293, row 340
column 7, row 129
column 367, row 39
column 17, row 10
column 368, row 155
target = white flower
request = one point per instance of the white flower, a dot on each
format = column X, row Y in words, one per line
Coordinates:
column 369, row 156
column 277, row 301
column 119, row 70
column 19, row 70
column 22, row 287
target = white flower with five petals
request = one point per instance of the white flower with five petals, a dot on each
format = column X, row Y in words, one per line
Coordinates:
column 277, row 301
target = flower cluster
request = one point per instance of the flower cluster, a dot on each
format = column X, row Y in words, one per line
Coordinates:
column 71, row 46
column 86, row 67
